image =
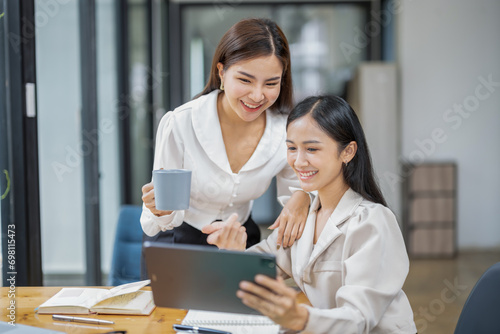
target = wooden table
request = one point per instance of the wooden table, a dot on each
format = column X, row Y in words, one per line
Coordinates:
column 28, row 298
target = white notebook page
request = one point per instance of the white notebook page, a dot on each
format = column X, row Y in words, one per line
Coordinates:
column 231, row 322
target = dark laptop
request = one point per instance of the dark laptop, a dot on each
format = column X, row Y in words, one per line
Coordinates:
column 202, row 277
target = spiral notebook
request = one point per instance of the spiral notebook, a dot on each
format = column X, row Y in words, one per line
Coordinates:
column 231, row 322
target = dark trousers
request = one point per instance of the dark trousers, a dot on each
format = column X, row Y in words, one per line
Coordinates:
column 186, row 234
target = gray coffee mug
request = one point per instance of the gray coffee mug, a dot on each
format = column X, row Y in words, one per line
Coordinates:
column 172, row 189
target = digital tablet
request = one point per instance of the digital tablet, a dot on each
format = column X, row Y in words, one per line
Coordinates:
column 202, row 277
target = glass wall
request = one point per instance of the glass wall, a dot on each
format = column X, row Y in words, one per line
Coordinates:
column 62, row 143
column 18, row 153
column 142, row 77
column 314, row 32
column 108, row 106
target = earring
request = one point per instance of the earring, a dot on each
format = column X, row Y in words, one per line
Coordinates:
column 221, row 85
column 346, row 162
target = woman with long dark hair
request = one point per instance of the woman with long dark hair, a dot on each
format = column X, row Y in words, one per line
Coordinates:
column 232, row 137
column 351, row 261
column 344, row 127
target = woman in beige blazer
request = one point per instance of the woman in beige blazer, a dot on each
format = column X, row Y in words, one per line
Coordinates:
column 351, row 261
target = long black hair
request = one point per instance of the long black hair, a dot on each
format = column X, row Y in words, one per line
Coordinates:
column 336, row 117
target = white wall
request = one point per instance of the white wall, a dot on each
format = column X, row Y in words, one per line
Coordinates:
column 447, row 49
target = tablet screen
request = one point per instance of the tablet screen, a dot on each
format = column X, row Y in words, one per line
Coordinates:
column 202, row 277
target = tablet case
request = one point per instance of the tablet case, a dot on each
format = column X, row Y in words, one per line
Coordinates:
column 202, row 277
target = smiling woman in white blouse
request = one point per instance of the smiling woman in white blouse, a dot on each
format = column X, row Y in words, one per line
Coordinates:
column 351, row 261
column 232, row 138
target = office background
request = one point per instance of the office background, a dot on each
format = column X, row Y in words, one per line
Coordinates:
column 84, row 84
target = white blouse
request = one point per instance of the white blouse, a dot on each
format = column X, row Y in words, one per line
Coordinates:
column 190, row 137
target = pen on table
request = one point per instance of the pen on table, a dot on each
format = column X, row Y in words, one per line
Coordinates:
column 201, row 330
column 82, row 320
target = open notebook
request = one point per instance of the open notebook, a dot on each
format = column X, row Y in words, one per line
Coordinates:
column 231, row 322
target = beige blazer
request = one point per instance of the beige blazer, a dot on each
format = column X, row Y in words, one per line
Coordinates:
column 354, row 274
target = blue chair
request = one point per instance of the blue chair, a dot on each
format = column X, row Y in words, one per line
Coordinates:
column 126, row 261
column 481, row 312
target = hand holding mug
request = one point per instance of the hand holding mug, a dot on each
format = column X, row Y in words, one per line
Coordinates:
column 148, row 197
